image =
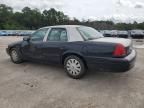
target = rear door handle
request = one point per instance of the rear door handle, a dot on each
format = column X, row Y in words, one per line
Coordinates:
column 62, row 48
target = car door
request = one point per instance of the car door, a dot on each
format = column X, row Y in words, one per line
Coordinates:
column 55, row 45
column 30, row 49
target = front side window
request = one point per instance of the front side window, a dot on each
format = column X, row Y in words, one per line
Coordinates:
column 89, row 33
column 57, row 34
column 39, row 34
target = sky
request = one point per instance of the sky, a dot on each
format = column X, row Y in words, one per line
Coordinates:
column 115, row 10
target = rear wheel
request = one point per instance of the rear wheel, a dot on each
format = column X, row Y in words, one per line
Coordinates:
column 74, row 66
column 15, row 56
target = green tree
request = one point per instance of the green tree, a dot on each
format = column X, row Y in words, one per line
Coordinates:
column 5, row 14
column 32, row 19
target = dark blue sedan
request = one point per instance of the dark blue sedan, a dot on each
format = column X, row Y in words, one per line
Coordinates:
column 76, row 47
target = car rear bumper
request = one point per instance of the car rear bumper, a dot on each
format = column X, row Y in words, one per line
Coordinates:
column 113, row 64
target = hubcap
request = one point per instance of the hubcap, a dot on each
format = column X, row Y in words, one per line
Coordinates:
column 73, row 66
column 14, row 55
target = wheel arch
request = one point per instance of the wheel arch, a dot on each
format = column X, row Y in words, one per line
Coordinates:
column 13, row 47
column 75, row 54
column 9, row 49
column 17, row 47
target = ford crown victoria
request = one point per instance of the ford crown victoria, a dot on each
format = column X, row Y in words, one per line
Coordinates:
column 76, row 47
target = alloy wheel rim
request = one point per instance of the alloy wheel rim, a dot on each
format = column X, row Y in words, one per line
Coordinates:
column 73, row 67
column 14, row 55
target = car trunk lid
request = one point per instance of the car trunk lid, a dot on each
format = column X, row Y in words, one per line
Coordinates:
column 124, row 42
column 127, row 43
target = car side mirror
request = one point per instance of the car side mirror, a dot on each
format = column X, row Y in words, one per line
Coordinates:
column 26, row 39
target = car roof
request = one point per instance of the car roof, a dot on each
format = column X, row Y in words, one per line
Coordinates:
column 64, row 26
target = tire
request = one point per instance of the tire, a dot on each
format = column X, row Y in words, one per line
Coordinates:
column 15, row 56
column 74, row 67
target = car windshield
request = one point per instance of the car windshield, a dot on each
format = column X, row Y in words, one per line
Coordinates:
column 89, row 33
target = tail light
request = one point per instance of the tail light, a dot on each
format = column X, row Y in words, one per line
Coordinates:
column 119, row 51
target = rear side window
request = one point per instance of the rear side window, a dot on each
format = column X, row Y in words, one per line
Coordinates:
column 57, row 34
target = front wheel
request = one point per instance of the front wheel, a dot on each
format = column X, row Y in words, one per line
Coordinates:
column 15, row 56
column 74, row 67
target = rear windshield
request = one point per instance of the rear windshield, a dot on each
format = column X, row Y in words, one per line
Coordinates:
column 89, row 33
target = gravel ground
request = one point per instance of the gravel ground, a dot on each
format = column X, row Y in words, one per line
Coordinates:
column 33, row 85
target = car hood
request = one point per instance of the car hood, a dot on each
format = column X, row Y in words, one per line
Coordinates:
column 125, row 42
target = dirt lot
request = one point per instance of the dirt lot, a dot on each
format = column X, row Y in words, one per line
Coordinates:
column 33, row 85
